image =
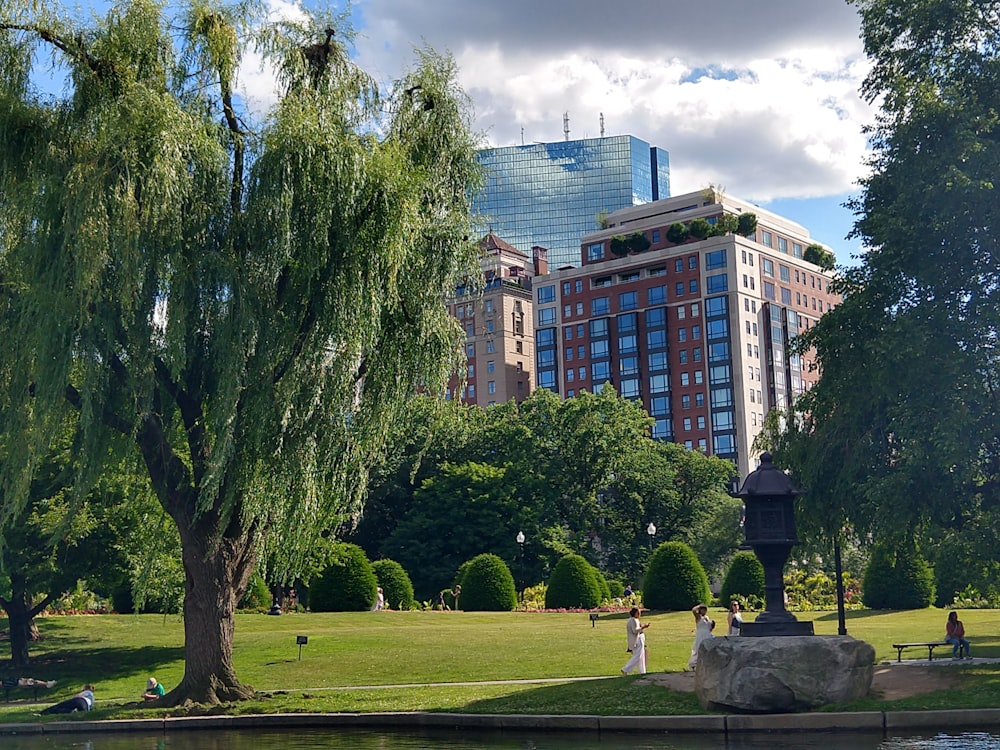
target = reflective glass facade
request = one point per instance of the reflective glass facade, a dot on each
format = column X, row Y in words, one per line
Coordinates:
column 550, row 194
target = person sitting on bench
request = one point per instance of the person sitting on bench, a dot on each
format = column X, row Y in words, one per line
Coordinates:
column 956, row 637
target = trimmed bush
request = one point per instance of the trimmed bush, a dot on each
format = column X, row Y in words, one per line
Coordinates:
column 897, row 580
column 573, row 584
column 700, row 229
column 257, row 595
column 605, row 587
column 677, row 232
column 488, row 585
column 675, row 579
column 397, row 589
column 347, row 585
column 744, row 578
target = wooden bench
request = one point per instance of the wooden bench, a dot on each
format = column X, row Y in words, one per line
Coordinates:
column 929, row 645
column 7, row 684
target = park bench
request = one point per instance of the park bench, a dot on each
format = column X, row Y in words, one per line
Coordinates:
column 929, row 645
column 7, row 684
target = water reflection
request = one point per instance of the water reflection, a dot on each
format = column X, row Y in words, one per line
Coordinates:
column 350, row 739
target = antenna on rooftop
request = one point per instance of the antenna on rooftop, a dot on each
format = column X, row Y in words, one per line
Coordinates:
column 566, row 126
column 522, row 135
column 602, row 124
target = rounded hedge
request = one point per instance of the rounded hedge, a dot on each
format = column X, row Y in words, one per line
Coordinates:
column 744, row 578
column 573, row 584
column 397, row 588
column 347, row 585
column 487, row 585
column 675, row 579
column 257, row 596
column 897, row 580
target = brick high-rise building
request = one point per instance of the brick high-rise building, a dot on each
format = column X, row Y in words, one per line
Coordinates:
column 698, row 330
column 499, row 326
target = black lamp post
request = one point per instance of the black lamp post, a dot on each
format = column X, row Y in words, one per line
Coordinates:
column 769, row 497
column 520, row 540
column 651, row 530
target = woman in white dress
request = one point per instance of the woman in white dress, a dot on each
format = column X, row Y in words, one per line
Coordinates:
column 702, row 631
column 636, row 633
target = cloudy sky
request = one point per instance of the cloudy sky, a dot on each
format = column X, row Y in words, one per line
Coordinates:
column 758, row 97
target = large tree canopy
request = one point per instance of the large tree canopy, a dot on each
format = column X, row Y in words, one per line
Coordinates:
column 902, row 430
column 247, row 304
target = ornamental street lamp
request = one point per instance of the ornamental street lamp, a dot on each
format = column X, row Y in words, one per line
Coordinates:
column 651, row 530
column 769, row 497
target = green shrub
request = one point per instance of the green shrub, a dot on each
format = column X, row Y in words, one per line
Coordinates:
column 616, row 589
column 488, row 585
column 675, row 580
column 397, row 589
column 257, row 595
column 745, row 578
column 605, row 587
column 700, row 229
column 897, row 579
column 573, row 584
column 347, row 584
column 677, row 232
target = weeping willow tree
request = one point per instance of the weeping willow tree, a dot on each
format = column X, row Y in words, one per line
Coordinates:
column 247, row 307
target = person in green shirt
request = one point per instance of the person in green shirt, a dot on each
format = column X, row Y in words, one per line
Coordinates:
column 154, row 690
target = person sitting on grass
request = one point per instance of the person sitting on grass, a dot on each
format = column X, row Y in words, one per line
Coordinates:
column 82, row 701
column 154, row 690
column 956, row 637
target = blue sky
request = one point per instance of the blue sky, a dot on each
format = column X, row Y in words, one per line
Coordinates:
column 764, row 104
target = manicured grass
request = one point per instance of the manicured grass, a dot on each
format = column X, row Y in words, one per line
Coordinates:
column 348, row 653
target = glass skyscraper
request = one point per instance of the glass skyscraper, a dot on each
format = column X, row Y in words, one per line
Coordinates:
column 551, row 194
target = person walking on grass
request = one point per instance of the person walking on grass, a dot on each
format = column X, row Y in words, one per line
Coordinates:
column 955, row 635
column 636, row 633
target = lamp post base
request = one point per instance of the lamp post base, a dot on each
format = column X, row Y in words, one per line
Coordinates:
column 779, row 628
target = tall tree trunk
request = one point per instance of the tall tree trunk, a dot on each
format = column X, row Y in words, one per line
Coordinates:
column 20, row 621
column 215, row 577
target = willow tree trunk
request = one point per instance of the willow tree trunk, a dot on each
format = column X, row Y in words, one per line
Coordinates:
column 20, row 621
column 216, row 573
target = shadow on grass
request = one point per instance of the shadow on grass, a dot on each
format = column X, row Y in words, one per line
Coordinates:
column 612, row 697
column 72, row 669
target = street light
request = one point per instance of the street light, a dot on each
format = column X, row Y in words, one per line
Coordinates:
column 520, row 540
column 651, row 530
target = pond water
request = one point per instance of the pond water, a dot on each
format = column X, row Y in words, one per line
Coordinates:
column 451, row 740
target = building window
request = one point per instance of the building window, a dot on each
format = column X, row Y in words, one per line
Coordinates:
column 600, row 371
column 472, row 390
column 489, row 305
column 783, row 245
column 681, row 312
column 546, row 316
column 685, row 379
column 769, row 290
column 489, row 324
column 491, row 365
column 717, row 284
column 696, row 354
column 657, row 361
column 472, row 371
column 595, row 251
column 679, row 265
column 687, row 424
column 599, row 327
column 570, row 375
column 679, row 289
column 699, row 377
column 715, row 260
column 491, row 386
column 489, row 347
column 581, row 373
column 567, row 311
column 630, row 388
column 569, row 353
column 599, row 348
column 657, row 271
column 628, row 366
column 682, row 334
column 695, row 332
column 578, row 285
column 766, row 239
column 692, row 262
column 656, row 295
column 699, row 400
column 600, row 306
column 682, row 356
column 579, row 308
column 767, row 267
column 784, row 274
column 565, row 288
column 546, row 294
column 693, row 286
column 601, row 282
column 685, row 401
column 627, row 277
column 628, row 301
column 470, row 350
column 656, row 235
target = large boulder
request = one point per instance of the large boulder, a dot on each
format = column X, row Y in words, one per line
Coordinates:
column 782, row 674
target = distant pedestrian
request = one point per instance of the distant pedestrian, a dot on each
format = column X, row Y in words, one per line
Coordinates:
column 636, row 635
column 82, row 701
column 379, row 600
column 734, row 618
column 955, row 635
column 702, row 631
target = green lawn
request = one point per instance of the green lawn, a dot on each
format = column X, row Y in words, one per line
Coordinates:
column 348, row 653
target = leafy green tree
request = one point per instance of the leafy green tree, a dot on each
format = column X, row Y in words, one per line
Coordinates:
column 464, row 511
column 573, row 584
column 700, row 228
column 897, row 579
column 246, row 306
column 677, row 232
column 675, row 580
column 488, row 586
column 396, row 586
column 907, row 456
column 747, row 224
column 347, row 585
column 821, row 256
